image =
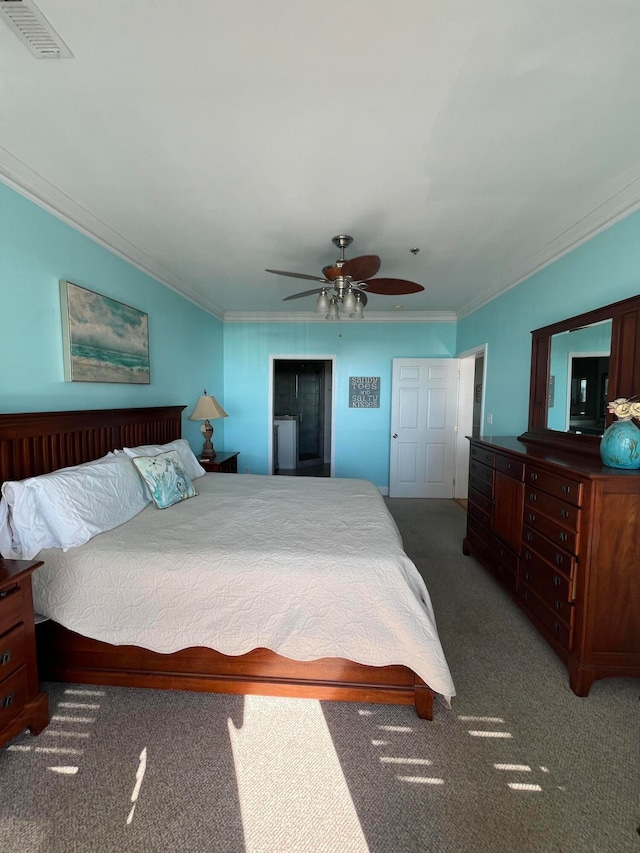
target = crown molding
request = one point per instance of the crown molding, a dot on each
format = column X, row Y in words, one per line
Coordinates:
column 369, row 317
column 620, row 205
column 37, row 189
column 17, row 175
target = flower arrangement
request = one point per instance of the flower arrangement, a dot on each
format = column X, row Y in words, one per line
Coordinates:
column 624, row 409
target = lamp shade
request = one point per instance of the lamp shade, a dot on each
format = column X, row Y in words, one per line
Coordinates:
column 349, row 301
column 322, row 304
column 333, row 313
column 207, row 408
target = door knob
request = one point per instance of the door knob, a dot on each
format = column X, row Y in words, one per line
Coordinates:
column 395, row 435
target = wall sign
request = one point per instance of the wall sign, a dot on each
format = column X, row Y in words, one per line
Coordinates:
column 364, row 392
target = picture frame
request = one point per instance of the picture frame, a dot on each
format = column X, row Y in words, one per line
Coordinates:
column 103, row 340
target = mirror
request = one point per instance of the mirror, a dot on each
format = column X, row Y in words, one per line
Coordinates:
column 579, row 379
column 577, row 366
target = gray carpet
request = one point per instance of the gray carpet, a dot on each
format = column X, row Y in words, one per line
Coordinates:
column 518, row 764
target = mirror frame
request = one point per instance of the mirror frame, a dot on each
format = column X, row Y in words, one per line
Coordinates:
column 624, row 371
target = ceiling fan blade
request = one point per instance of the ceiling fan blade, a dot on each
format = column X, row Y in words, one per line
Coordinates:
column 298, row 275
column 391, row 286
column 360, row 268
column 304, row 293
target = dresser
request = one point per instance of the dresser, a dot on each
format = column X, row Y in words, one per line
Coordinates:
column 222, row 463
column 22, row 704
column 561, row 534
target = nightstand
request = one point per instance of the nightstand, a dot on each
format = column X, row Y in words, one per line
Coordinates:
column 22, row 704
column 223, row 463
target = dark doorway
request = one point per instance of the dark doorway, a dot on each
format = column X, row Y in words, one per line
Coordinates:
column 589, row 391
column 302, row 417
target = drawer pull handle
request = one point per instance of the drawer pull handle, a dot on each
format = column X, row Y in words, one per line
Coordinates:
column 528, row 536
column 500, row 570
column 5, row 658
column 556, row 626
column 558, row 559
column 527, row 555
column 556, row 580
column 4, row 593
column 564, row 513
column 527, row 576
column 532, row 516
column 7, row 702
column 526, row 596
column 533, row 498
column 566, row 490
column 533, row 476
column 564, row 537
column 557, row 605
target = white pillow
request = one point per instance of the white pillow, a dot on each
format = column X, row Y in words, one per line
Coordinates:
column 68, row 507
column 192, row 468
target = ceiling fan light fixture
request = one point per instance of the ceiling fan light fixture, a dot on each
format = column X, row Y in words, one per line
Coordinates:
column 346, row 283
column 349, row 301
column 322, row 303
column 333, row 313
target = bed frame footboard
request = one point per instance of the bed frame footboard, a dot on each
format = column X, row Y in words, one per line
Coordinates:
column 70, row 657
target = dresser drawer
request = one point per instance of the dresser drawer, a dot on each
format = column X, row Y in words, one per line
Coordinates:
column 485, row 488
column 506, row 577
column 559, row 511
column 13, row 651
column 482, row 517
column 480, row 471
column 485, row 503
column 503, row 554
column 561, row 629
column 482, row 455
column 555, row 588
column 10, row 608
column 553, row 531
column 557, row 557
column 13, row 696
column 509, row 466
column 478, row 537
column 560, row 487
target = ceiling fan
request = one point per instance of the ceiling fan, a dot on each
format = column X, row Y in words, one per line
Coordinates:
column 346, row 283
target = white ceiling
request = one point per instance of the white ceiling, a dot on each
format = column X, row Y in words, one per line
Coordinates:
column 206, row 140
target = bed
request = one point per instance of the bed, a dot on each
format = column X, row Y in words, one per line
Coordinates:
column 357, row 624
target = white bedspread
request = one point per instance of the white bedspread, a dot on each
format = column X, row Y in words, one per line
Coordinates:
column 306, row 567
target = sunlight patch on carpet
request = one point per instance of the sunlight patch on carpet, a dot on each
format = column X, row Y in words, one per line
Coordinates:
column 142, row 767
column 292, row 791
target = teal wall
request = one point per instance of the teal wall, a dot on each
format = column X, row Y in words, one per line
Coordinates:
column 190, row 349
column 603, row 270
column 360, row 349
column 36, row 250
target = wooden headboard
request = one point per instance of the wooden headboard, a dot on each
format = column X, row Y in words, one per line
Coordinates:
column 35, row 443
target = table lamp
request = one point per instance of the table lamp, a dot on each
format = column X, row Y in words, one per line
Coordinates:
column 207, row 409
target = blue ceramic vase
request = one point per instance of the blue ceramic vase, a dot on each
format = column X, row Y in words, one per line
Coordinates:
column 620, row 445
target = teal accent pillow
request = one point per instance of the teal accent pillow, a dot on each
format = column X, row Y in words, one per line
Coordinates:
column 165, row 478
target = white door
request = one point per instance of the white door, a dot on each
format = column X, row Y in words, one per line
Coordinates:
column 423, row 427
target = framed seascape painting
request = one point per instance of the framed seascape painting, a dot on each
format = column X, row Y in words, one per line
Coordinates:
column 103, row 340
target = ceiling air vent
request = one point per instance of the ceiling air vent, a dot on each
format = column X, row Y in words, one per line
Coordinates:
column 33, row 29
